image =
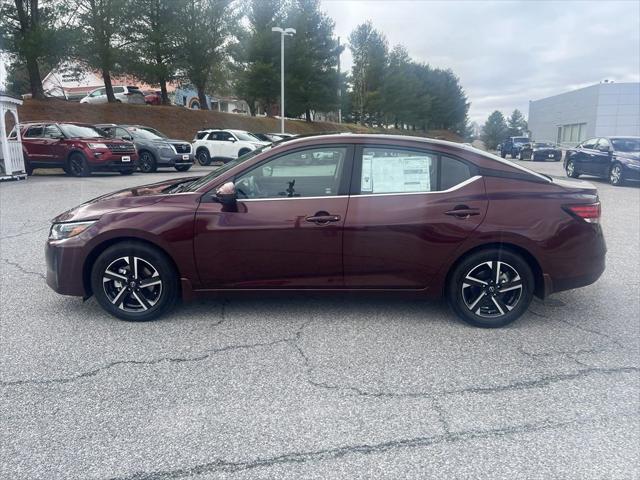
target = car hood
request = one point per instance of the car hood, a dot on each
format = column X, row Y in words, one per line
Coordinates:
column 628, row 155
column 120, row 200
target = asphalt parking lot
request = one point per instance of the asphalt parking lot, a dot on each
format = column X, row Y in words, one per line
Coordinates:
column 312, row 387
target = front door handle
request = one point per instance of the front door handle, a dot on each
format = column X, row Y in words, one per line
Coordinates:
column 462, row 211
column 323, row 218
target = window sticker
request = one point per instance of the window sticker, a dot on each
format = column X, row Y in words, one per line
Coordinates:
column 396, row 174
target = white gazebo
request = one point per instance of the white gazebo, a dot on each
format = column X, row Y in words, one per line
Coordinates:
column 11, row 159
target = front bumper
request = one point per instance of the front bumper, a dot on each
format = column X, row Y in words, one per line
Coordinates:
column 111, row 162
column 177, row 159
column 542, row 156
column 65, row 261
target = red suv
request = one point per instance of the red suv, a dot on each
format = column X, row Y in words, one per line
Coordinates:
column 78, row 149
column 334, row 213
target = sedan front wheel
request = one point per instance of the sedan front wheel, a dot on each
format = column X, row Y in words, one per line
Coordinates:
column 134, row 281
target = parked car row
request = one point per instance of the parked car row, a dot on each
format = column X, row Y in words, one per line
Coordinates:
column 81, row 149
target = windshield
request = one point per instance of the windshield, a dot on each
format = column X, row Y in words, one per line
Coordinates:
column 144, row 134
column 246, row 136
column 80, row 131
column 225, row 168
column 153, row 130
column 521, row 140
column 626, row 144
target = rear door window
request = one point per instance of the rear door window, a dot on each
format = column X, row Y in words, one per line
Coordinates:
column 392, row 170
column 34, row 132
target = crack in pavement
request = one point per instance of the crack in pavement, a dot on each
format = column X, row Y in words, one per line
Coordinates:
column 20, row 268
column 517, row 385
column 226, row 466
column 7, row 237
column 92, row 373
column 579, row 327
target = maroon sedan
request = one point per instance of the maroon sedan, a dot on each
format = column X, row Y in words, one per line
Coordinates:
column 337, row 212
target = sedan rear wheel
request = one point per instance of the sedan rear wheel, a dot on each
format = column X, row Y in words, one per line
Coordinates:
column 615, row 175
column 491, row 288
column 134, row 281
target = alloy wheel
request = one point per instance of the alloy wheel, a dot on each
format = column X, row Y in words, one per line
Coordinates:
column 76, row 166
column 132, row 284
column 615, row 177
column 146, row 162
column 492, row 289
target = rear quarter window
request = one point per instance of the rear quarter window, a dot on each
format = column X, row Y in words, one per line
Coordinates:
column 453, row 172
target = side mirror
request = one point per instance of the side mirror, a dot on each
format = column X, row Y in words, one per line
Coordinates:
column 129, row 139
column 232, row 140
column 226, row 194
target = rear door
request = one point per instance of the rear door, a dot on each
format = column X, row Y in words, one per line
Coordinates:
column 286, row 228
column 33, row 143
column 409, row 212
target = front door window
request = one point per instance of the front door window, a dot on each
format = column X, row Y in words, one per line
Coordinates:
column 305, row 173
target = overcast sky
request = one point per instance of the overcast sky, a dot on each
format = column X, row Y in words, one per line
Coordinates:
column 507, row 53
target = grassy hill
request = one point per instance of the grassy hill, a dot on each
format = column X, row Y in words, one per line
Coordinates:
column 182, row 123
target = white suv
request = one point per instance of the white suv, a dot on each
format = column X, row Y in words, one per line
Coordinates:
column 223, row 145
column 123, row 94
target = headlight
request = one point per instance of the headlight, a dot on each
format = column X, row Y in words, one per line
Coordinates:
column 95, row 146
column 61, row 231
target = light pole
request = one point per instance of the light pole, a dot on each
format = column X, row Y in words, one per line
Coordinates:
column 284, row 32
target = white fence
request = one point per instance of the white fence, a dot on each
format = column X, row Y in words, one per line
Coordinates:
column 15, row 163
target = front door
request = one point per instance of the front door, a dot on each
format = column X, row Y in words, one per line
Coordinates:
column 602, row 158
column 285, row 230
column 410, row 213
column 52, row 144
column 585, row 157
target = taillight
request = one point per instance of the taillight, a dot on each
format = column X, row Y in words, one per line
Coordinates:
column 589, row 212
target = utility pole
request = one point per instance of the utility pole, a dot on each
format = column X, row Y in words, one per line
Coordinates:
column 339, row 86
column 284, row 32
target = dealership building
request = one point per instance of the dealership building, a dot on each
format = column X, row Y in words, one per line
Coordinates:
column 604, row 109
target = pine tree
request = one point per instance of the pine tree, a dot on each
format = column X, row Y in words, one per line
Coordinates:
column 517, row 124
column 312, row 80
column 494, row 131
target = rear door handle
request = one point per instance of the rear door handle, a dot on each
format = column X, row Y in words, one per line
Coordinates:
column 462, row 211
column 323, row 218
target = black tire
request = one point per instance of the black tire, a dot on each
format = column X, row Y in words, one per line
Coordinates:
column 28, row 169
column 503, row 154
column 182, row 168
column 571, row 169
column 77, row 165
column 147, row 162
column 203, row 157
column 480, row 302
column 127, row 172
column 615, row 175
column 125, row 299
column 243, row 151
